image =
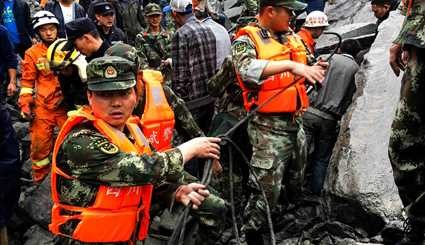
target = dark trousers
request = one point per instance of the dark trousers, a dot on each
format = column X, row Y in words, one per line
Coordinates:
column 9, row 167
column 3, row 89
column 321, row 135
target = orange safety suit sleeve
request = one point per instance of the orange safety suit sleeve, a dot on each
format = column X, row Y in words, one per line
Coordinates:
column 29, row 74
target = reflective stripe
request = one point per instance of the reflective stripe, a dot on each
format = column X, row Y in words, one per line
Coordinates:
column 42, row 163
column 26, row 91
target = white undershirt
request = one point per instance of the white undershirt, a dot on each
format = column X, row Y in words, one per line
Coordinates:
column 67, row 13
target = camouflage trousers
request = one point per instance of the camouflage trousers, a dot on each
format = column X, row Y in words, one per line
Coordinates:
column 278, row 162
column 407, row 140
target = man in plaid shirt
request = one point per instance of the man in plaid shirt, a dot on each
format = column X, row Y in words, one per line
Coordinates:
column 193, row 52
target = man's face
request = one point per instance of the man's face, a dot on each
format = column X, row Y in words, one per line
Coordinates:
column 106, row 20
column 154, row 20
column 316, row 32
column 195, row 3
column 281, row 18
column 380, row 10
column 48, row 33
column 82, row 44
column 114, row 107
column 177, row 19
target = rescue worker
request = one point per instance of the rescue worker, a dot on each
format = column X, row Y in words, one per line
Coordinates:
column 83, row 36
column 312, row 29
column 70, row 67
column 268, row 57
column 105, row 19
column 407, row 141
column 104, row 167
column 328, row 104
column 153, row 44
column 41, row 98
column 229, row 110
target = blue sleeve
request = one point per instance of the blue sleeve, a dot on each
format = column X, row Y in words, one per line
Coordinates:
column 7, row 51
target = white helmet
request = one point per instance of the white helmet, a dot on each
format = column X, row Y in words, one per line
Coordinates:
column 43, row 17
column 316, row 19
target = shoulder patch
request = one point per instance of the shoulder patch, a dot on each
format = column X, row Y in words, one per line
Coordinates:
column 108, row 148
column 240, row 47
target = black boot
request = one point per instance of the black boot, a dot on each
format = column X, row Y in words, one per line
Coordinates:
column 254, row 238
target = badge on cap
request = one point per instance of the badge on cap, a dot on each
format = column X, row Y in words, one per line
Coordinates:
column 107, row 7
column 110, row 72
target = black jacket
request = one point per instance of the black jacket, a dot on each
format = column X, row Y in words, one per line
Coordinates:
column 55, row 8
column 100, row 52
column 115, row 35
column 22, row 14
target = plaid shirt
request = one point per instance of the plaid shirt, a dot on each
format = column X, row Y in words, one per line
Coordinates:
column 193, row 50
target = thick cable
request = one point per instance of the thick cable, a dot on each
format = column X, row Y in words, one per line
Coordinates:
column 232, row 198
column 263, row 193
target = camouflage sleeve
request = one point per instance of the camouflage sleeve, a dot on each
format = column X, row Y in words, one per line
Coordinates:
column 92, row 157
column 245, row 61
column 184, row 119
column 141, row 52
column 413, row 29
column 218, row 83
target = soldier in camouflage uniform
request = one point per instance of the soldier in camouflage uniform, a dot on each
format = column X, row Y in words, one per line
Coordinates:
column 91, row 159
column 279, row 150
column 229, row 111
column 153, row 44
column 407, row 140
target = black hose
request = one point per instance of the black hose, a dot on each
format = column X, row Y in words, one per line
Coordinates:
column 263, row 193
column 232, row 198
column 310, row 87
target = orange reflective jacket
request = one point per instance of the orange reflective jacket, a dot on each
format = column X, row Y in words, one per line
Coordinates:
column 294, row 97
column 118, row 214
column 158, row 117
column 307, row 39
column 37, row 77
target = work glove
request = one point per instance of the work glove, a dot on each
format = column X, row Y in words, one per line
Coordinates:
column 25, row 102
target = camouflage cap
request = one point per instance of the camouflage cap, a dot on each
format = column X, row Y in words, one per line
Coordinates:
column 152, row 8
column 122, row 50
column 110, row 73
column 290, row 4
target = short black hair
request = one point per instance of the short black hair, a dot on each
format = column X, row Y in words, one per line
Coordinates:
column 351, row 47
column 94, row 33
column 382, row 2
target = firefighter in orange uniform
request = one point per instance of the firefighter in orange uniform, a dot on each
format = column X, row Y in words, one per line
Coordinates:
column 104, row 168
column 41, row 97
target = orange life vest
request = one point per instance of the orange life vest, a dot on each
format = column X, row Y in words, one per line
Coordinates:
column 293, row 98
column 118, row 214
column 308, row 39
column 158, row 117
